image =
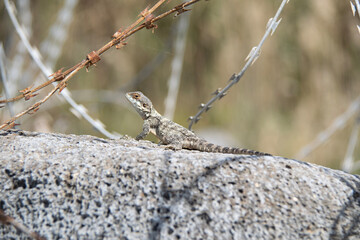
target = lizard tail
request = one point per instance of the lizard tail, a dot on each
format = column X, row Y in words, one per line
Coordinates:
column 205, row 146
column 246, row 151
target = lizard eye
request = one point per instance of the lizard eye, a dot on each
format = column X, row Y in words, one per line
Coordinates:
column 136, row 96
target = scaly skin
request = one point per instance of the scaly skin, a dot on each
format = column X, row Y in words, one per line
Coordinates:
column 172, row 134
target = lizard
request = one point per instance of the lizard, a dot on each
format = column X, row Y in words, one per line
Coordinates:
column 173, row 135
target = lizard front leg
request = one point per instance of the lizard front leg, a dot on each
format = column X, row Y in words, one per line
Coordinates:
column 145, row 131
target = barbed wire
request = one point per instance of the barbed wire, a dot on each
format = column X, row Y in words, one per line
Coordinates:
column 36, row 56
column 145, row 20
column 250, row 59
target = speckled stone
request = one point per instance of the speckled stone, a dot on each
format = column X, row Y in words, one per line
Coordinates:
column 84, row 187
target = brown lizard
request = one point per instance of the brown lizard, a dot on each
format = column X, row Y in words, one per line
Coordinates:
column 173, row 135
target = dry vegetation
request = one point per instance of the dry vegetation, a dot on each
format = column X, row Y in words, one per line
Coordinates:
column 306, row 75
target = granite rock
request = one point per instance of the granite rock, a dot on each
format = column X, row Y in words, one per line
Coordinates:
column 84, row 187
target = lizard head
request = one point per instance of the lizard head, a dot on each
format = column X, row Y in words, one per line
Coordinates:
column 141, row 103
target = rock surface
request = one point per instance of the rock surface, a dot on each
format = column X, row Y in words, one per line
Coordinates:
column 83, row 187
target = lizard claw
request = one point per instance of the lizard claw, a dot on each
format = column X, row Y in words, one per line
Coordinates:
column 139, row 137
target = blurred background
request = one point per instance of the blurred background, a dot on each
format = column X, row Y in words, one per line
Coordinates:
column 307, row 74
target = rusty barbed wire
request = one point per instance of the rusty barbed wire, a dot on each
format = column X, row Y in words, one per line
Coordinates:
column 46, row 71
column 93, row 57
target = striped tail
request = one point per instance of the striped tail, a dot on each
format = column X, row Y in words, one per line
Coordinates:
column 205, row 146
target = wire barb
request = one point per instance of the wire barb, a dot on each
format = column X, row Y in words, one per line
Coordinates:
column 149, row 23
column 180, row 9
column 93, row 58
column 216, row 92
column 58, row 75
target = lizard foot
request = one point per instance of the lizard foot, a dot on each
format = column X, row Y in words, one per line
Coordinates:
column 172, row 147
